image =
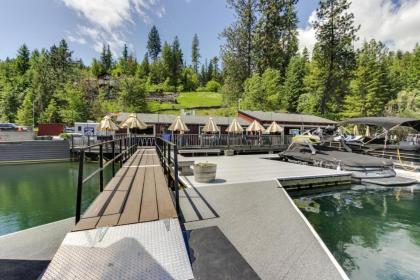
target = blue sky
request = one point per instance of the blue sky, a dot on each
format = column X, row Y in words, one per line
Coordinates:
column 41, row 23
column 86, row 24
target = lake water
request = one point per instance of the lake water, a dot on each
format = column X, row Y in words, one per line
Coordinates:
column 36, row 194
column 373, row 233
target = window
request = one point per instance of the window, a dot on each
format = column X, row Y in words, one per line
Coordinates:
column 79, row 128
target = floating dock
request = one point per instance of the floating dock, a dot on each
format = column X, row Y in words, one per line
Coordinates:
column 131, row 230
column 250, row 206
column 242, row 226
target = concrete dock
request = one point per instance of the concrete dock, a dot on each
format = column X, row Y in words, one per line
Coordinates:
column 257, row 168
column 254, row 212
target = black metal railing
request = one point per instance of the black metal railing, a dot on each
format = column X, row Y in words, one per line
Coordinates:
column 230, row 140
column 126, row 147
column 77, row 142
column 168, row 156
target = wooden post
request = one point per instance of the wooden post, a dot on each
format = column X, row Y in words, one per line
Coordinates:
column 80, row 185
column 101, row 166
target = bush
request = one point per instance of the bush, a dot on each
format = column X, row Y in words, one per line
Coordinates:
column 213, row 86
column 201, row 89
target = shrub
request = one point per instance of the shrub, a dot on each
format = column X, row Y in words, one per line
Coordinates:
column 213, row 86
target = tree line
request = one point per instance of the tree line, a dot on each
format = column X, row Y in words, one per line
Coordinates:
column 260, row 67
column 50, row 85
column 264, row 70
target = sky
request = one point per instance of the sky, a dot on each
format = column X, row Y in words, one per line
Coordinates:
column 87, row 24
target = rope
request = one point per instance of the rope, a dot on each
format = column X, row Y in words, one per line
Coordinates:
column 402, row 164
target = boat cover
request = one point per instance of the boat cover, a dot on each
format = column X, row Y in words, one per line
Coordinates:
column 326, row 154
column 385, row 122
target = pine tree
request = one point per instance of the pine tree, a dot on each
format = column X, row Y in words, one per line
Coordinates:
column 106, row 59
column 276, row 35
column 25, row 112
column 335, row 34
column 22, row 60
column 153, row 43
column 177, row 62
column 370, row 90
column 143, row 69
column 195, row 53
column 51, row 114
column 125, row 53
column 293, row 86
column 210, row 71
column 238, row 51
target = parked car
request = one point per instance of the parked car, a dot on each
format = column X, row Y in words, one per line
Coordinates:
column 8, row 127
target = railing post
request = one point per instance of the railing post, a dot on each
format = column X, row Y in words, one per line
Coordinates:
column 176, row 183
column 113, row 157
column 168, row 164
column 101, row 166
column 80, row 185
column 163, row 157
column 72, row 146
column 121, row 155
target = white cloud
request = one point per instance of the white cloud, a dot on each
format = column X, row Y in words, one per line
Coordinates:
column 396, row 25
column 78, row 39
column 108, row 20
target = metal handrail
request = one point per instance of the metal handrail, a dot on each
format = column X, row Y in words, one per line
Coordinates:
column 128, row 151
column 164, row 149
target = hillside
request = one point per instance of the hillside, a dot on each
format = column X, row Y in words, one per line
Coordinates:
column 204, row 103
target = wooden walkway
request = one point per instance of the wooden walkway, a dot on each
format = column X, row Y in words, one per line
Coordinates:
column 138, row 193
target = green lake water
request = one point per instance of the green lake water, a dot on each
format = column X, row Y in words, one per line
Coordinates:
column 373, row 233
column 36, row 194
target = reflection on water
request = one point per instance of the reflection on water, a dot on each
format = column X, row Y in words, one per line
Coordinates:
column 36, row 194
column 374, row 233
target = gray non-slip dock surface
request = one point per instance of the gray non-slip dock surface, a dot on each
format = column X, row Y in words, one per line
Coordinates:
column 152, row 250
column 263, row 225
column 26, row 254
column 214, row 257
column 255, row 168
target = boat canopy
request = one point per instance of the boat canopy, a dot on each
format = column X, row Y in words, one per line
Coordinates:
column 385, row 122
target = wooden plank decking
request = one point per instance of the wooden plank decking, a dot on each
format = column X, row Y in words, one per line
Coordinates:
column 138, row 193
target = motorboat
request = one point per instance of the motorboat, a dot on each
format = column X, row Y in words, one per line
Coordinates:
column 397, row 139
column 364, row 168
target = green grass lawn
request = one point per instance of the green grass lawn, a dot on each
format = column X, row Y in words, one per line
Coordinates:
column 189, row 100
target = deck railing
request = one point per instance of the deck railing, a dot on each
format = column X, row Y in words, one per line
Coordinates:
column 77, row 142
column 121, row 149
column 168, row 154
column 229, row 140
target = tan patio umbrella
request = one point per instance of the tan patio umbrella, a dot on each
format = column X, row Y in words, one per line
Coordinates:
column 107, row 124
column 367, row 134
column 133, row 122
column 356, row 130
column 255, row 126
column 178, row 125
column 211, row 127
column 234, row 127
column 274, row 128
